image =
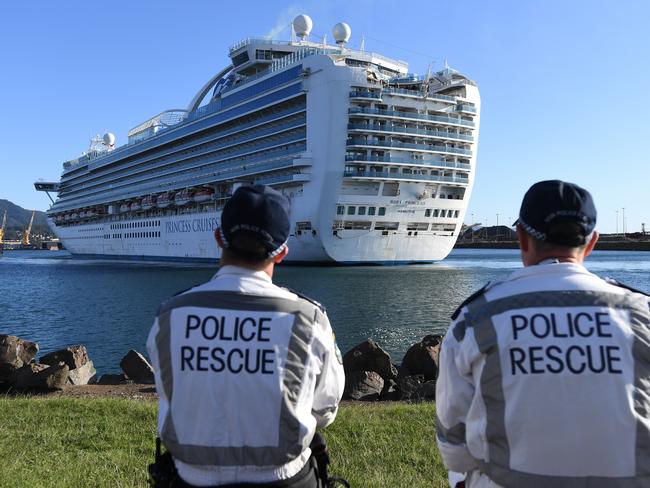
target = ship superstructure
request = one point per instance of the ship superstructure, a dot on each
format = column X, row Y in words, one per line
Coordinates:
column 378, row 163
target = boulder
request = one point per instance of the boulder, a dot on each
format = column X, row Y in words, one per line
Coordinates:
column 369, row 356
column 416, row 389
column 363, row 385
column 42, row 376
column 74, row 356
column 14, row 353
column 113, row 379
column 137, row 368
column 423, row 357
column 83, row 375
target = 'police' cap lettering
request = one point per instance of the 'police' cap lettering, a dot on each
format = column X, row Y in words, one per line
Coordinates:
column 549, row 203
column 260, row 211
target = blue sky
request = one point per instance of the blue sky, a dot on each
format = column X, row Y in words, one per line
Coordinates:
column 564, row 84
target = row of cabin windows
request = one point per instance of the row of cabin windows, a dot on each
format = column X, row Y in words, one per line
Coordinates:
column 132, row 235
column 442, row 213
column 361, row 210
column 135, row 225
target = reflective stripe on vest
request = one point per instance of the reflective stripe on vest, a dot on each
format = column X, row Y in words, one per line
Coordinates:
column 289, row 445
column 479, row 315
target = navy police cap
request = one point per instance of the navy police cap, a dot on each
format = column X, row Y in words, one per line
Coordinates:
column 547, row 203
column 258, row 210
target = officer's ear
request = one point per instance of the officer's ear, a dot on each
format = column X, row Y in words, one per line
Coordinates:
column 591, row 244
column 523, row 238
column 279, row 257
column 218, row 238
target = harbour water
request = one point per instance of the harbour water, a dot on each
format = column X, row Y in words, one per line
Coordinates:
column 56, row 300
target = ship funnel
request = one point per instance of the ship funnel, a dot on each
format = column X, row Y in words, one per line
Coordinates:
column 341, row 32
column 302, row 25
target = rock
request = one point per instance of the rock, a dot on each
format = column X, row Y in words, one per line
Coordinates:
column 83, row 375
column 368, row 356
column 14, row 353
column 390, row 391
column 137, row 368
column 113, row 379
column 42, row 376
column 363, row 385
column 416, row 389
column 423, row 357
column 74, row 356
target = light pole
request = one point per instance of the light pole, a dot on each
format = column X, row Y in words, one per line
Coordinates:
column 616, row 222
column 623, row 223
column 497, row 238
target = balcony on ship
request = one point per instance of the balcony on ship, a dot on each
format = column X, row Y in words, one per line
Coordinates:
column 408, row 174
column 361, row 143
column 414, row 131
column 408, row 161
column 394, row 114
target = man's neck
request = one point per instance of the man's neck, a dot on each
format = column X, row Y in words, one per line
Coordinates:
column 266, row 267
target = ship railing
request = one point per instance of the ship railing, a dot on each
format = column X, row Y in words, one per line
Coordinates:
column 408, row 130
column 384, row 159
column 464, row 107
column 403, row 176
column 197, row 161
column 416, row 93
column 407, row 145
column 137, row 164
column 365, row 94
column 168, row 182
column 411, row 115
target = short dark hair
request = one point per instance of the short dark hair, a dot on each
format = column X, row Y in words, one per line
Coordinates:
column 248, row 246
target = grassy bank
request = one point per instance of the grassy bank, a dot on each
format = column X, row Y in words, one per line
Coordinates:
column 80, row 442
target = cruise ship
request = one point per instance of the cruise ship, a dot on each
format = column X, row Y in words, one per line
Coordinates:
column 377, row 162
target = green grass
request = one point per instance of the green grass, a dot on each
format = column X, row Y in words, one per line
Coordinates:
column 75, row 442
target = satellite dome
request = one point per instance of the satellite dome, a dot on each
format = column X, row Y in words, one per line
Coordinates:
column 341, row 33
column 302, row 25
column 109, row 139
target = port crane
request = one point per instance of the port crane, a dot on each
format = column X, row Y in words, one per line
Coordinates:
column 2, row 229
column 25, row 240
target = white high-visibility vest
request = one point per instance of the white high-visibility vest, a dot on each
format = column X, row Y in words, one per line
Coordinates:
column 245, row 371
column 545, row 382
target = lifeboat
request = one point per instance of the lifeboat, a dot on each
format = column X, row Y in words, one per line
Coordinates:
column 183, row 197
column 58, row 218
column 90, row 213
column 164, row 200
column 203, row 195
column 82, row 214
column 135, row 205
column 74, row 216
column 66, row 217
column 125, row 207
column 148, row 202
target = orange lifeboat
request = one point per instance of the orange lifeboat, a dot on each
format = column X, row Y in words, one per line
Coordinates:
column 183, row 197
column 164, row 200
column 148, row 202
column 204, row 194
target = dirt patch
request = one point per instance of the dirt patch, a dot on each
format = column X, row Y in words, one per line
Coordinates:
column 130, row 390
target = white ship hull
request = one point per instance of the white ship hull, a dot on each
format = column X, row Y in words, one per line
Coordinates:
column 190, row 237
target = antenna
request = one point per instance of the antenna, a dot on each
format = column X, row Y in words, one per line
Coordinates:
column 363, row 43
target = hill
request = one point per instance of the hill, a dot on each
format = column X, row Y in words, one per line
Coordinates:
column 18, row 219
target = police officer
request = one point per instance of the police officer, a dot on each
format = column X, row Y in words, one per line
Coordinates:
column 545, row 376
column 245, row 370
